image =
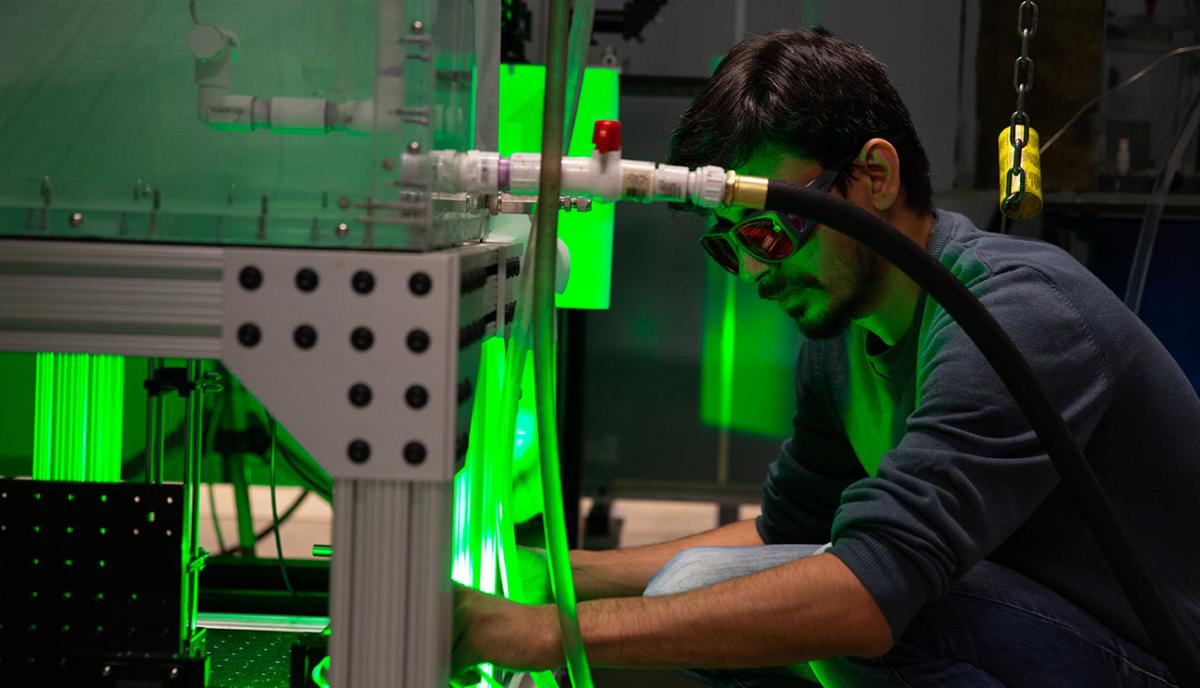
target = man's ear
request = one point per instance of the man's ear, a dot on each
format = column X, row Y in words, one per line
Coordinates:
column 882, row 164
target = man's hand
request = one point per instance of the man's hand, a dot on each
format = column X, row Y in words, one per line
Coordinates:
column 512, row 636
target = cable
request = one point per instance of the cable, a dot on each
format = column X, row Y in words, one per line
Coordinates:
column 1161, row 625
column 262, row 534
column 212, row 509
column 1148, row 234
column 275, row 515
column 214, row 419
column 1183, row 50
column 322, row 486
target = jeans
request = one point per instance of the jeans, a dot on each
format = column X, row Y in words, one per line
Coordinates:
column 993, row 628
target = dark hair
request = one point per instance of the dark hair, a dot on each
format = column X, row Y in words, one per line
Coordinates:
column 808, row 92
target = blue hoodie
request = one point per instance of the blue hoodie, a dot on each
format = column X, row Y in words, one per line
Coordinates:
column 916, row 463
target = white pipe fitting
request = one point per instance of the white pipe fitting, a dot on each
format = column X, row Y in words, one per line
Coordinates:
column 603, row 176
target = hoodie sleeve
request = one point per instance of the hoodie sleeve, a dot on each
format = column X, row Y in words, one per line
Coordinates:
column 969, row 470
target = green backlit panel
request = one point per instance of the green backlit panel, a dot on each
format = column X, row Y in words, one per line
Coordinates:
column 78, row 415
column 588, row 235
column 747, row 341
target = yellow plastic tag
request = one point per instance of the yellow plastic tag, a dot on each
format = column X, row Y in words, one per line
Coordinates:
column 1021, row 187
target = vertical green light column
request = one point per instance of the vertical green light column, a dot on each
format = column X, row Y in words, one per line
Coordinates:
column 79, row 410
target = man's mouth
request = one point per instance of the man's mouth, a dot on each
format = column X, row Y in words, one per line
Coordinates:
column 795, row 311
column 770, row 292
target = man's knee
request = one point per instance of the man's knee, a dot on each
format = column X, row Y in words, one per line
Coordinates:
column 688, row 570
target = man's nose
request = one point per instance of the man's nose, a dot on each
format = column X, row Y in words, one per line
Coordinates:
column 750, row 269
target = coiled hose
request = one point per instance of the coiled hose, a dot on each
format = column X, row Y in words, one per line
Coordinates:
column 1164, row 629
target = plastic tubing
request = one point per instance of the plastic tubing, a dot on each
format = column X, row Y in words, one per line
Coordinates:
column 578, row 41
column 1154, row 212
column 1161, row 625
column 514, row 372
column 545, row 257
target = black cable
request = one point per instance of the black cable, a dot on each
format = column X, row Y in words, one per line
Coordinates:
column 262, row 534
column 212, row 508
column 1161, row 625
column 320, row 484
column 214, row 419
column 287, row 582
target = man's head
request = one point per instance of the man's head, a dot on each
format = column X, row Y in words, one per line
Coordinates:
column 790, row 105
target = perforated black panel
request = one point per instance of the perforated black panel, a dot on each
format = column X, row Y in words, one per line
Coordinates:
column 87, row 568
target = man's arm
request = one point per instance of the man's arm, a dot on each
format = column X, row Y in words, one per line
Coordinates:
column 808, row 609
column 626, row 572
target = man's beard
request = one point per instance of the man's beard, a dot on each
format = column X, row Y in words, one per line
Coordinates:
column 860, row 277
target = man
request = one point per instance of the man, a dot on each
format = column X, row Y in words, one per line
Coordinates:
column 956, row 558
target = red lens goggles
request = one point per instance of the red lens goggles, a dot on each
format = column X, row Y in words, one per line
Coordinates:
column 769, row 236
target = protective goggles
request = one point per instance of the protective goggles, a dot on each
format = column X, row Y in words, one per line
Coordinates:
column 771, row 237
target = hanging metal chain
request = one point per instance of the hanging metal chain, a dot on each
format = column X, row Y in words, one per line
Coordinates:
column 1027, row 25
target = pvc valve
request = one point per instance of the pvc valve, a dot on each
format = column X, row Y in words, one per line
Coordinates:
column 606, row 135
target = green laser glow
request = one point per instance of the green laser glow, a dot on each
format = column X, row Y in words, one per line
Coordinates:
column 588, row 235
column 728, row 348
column 500, row 483
column 746, row 342
column 320, row 673
column 79, row 411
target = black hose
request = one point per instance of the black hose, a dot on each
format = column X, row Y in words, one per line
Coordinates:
column 1161, row 626
column 271, row 527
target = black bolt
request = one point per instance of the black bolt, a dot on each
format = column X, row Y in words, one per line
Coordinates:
column 464, row 390
column 250, row 278
column 305, row 336
column 306, row 279
column 249, row 335
column 360, row 395
column 416, row 396
column 418, row 341
column 420, row 284
column 414, row 453
column 359, row 451
column 362, row 282
column 362, row 338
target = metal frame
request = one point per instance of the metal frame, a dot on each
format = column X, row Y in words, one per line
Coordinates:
column 390, row 587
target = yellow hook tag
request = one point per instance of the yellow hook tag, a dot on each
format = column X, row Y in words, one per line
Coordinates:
column 1020, row 180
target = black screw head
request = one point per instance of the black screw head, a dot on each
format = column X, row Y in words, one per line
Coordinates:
column 307, row 280
column 250, row 278
column 360, row 395
column 420, row 284
column 358, row 451
column 414, row 453
column 362, row 338
column 363, row 282
column 249, row 335
column 416, row 396
column 305, row 336
column 418, row 341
